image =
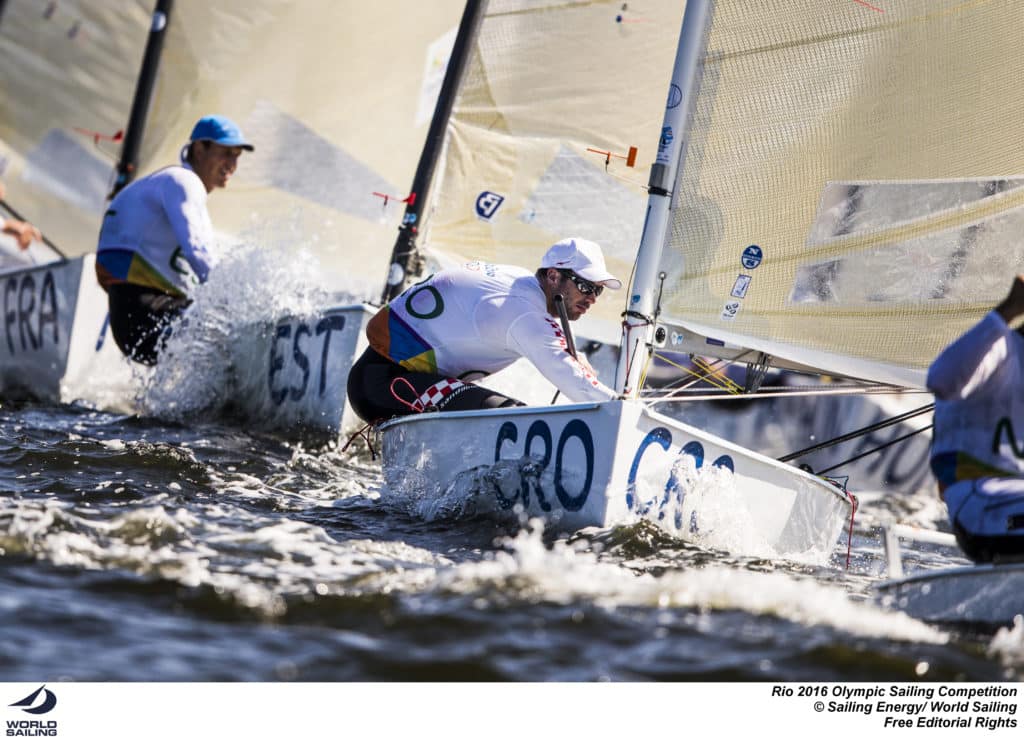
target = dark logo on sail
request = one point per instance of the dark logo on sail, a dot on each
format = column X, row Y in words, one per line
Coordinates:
column 29, row 704
column 751, row 257
column 487, row 203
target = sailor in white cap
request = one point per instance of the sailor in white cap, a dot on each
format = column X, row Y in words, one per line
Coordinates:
column 461, row 324
column 155, row 238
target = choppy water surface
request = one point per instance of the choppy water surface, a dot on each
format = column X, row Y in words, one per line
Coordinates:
column 136, row 549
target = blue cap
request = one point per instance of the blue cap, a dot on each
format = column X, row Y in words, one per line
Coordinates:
column 219, row 130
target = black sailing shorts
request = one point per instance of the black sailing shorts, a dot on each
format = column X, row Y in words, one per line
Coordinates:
column 141, row 318
column 379, row 389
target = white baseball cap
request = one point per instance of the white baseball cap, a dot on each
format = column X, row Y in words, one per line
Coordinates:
column 583, row 257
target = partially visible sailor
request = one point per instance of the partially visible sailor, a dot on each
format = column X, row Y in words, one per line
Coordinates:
column 22, row 232
column 430, row 343
column 155, row 241
column 978, row 438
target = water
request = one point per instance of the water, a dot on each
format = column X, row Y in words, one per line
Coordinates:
column 154, row 550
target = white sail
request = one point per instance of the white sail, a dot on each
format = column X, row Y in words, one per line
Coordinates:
column 849, row 197
column 546, row 82
column 335, row 96
column 69, row 72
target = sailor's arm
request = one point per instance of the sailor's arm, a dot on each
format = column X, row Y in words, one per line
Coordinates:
column 539, row 339
column 184, row 201
column 24, row 233
column 976, row 356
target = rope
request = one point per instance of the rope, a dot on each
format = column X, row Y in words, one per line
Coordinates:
column 864, row 431
column 710, row 374
column 415, row 404
column 849, row 536
column 770, row 392
column 364, row 433
column 883, row 446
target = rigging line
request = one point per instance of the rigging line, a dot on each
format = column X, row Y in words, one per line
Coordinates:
column 771, row 392
column 47, row 241
column 883, row 446
column 864, row 431
column 708, row 375
column 670, row 395
column 726, row 383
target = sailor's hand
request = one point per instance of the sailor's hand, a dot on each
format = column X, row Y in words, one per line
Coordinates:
column 24, row 233
column 1013, row 306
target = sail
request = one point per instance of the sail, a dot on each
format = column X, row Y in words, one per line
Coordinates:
column 335, row 96
column 547, row 81
column 849, row 196
column 69, row 73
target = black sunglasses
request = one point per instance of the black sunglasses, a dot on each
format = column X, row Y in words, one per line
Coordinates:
column 586, row 287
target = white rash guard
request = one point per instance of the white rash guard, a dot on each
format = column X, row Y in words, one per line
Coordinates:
column 476, row 320
column 978, row 382
column 156, row 233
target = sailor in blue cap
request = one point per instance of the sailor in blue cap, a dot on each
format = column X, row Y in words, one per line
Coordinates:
column 978, row 441
column 155, row 240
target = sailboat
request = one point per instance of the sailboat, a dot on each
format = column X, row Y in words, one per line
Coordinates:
column 58, row 134
column 322, row 157
column 978, row 595
column 834, row 191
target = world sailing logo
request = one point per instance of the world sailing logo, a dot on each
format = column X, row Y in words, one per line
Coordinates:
column 49, row 701
column 31, row 704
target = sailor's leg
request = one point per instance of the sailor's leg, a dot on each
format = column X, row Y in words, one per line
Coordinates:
column 140, row 320
column 988, row 517
column 379, row 389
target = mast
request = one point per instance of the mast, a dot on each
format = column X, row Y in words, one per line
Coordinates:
column 126, row 167
column 403, row 256
column 639, row 324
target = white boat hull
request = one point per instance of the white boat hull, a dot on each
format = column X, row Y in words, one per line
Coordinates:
column 56, row 346
column 988, row 594
column 292, row 375
column 583, row 465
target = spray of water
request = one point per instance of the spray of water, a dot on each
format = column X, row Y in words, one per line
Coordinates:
column 225, row 332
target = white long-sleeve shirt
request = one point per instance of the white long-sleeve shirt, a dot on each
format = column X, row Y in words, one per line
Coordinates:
column 978, row 382
column 475, row 320
column 156, row 233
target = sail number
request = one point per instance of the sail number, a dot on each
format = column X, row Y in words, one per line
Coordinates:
column 662, row 437
column 530, row 473
column 30, row 311
column 293, row 344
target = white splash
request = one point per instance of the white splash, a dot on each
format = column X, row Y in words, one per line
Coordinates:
column 565, row 573
column 209, row 353
column 702, row 506
column 1008, row 646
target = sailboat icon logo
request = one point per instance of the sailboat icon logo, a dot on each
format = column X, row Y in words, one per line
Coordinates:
column 49, row 701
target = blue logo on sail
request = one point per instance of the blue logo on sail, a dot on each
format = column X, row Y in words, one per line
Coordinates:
column 487, row 204
column 751, row 257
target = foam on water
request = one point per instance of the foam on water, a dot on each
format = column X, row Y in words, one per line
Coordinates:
column 563, row 573
column 1008, row 645
column 246, row 559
